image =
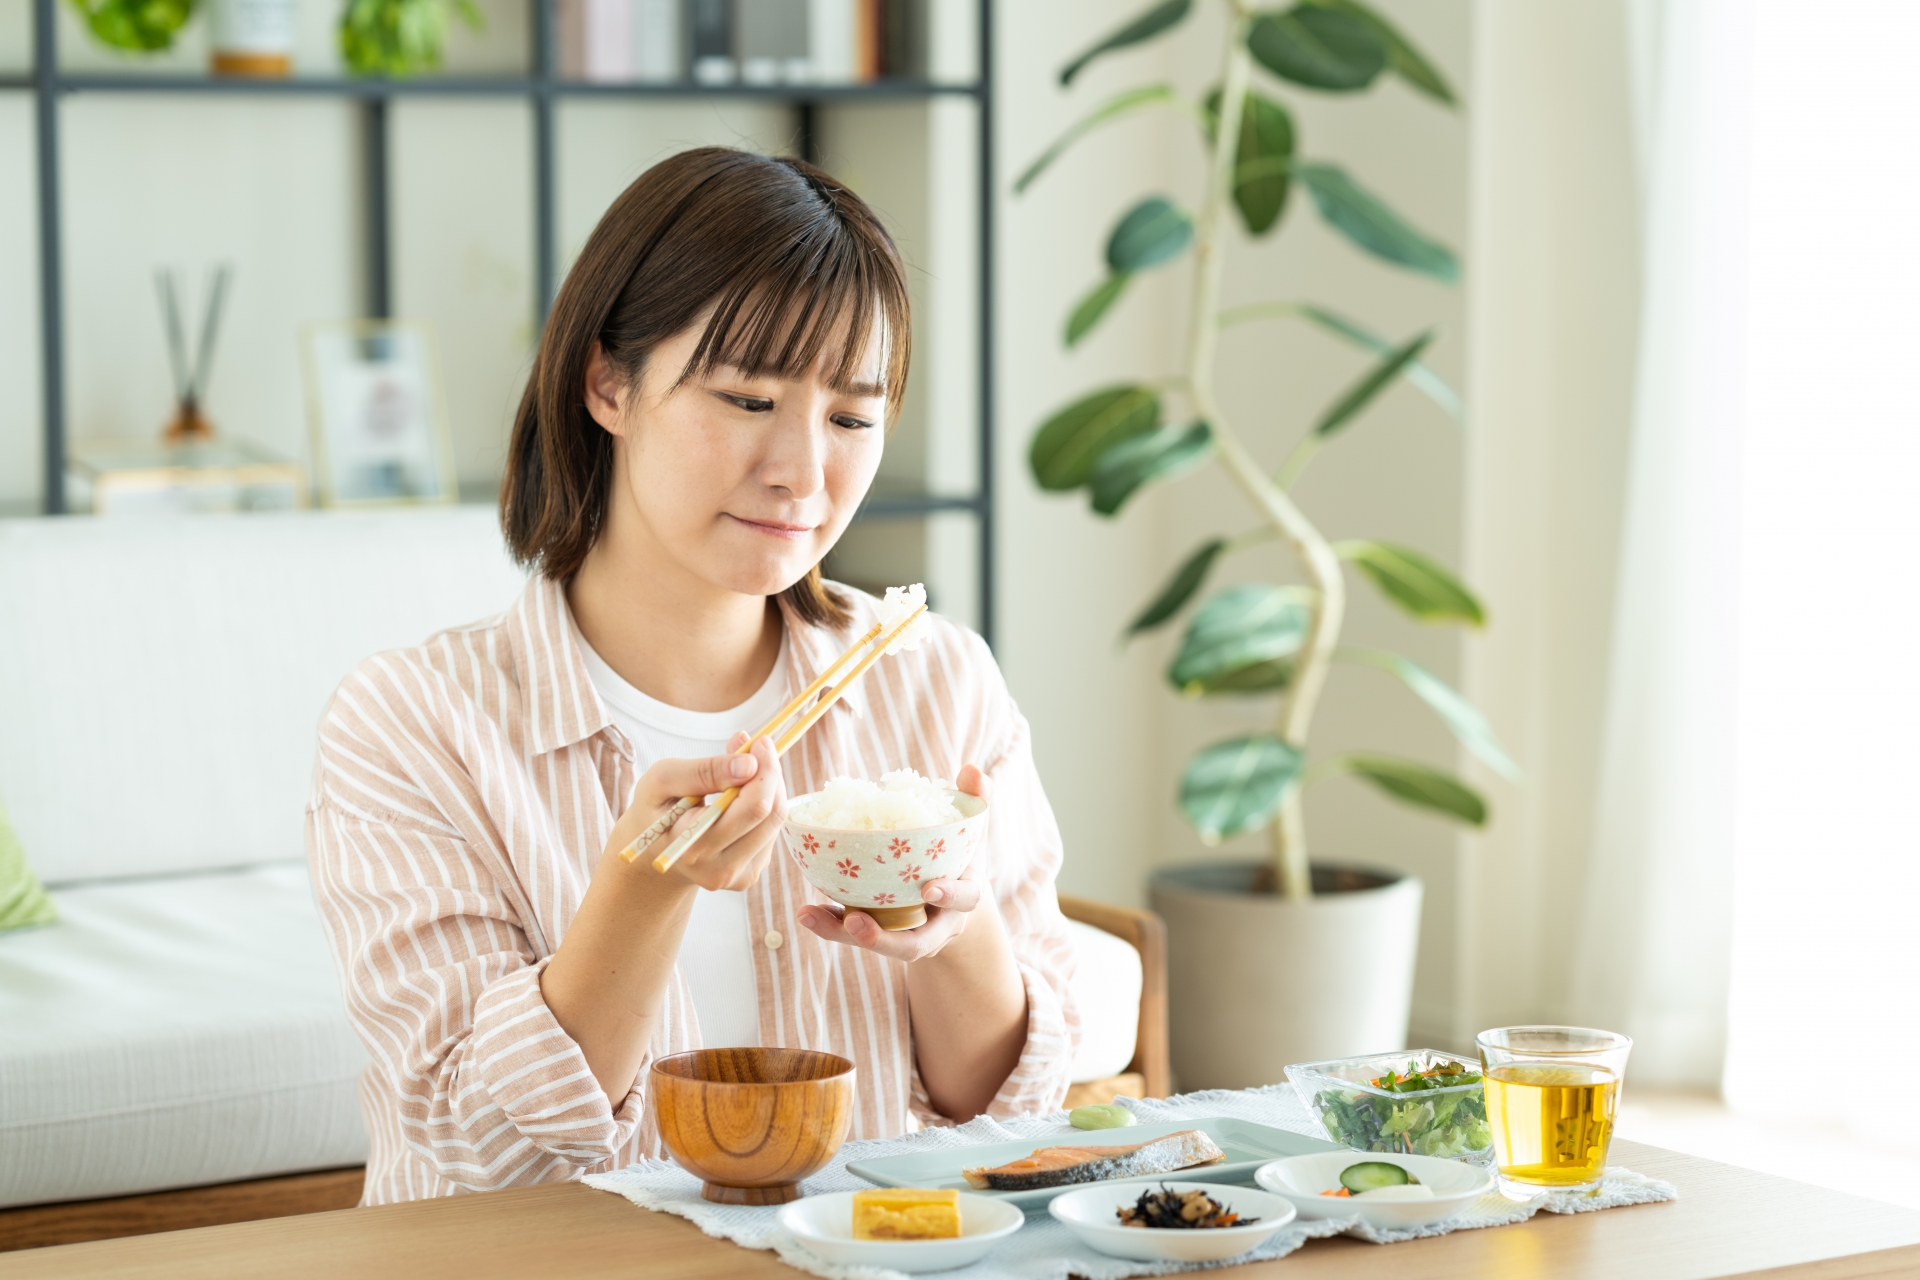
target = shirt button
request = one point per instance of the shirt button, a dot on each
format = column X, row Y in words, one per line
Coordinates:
column 774, row 939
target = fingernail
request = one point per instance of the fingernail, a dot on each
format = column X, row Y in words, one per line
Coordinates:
column 742, row 767
column 935, row 895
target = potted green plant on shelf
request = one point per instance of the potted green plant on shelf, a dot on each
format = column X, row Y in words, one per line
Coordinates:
column 135, row 26
column 1321, row 956
column 399, row 38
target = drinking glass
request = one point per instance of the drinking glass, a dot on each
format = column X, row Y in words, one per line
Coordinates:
column 1552, row 1093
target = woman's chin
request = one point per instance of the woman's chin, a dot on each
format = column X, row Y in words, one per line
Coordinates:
column 763, row 579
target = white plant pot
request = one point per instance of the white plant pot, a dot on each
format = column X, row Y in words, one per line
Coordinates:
column 1256, row 982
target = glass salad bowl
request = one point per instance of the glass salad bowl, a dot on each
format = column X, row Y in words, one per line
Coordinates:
column 1417, row 1102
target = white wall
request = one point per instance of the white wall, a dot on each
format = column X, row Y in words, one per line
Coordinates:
column 1555, row 301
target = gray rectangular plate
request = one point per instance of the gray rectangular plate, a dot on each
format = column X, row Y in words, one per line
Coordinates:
column 1248, row 1146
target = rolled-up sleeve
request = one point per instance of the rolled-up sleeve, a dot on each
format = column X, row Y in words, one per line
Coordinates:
column 443, row 987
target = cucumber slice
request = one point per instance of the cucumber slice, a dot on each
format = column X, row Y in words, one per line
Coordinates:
column 1371, row 1175
column 1100, row 1115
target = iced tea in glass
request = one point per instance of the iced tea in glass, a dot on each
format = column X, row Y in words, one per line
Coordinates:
column 1552, row 1095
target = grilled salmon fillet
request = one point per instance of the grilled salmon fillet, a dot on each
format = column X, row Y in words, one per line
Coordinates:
column 1063, row 1166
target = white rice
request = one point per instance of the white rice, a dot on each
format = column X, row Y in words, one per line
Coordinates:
column 900, row 801
column 900, row 602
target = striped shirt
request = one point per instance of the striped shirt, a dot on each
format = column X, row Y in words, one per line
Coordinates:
column 463, row 793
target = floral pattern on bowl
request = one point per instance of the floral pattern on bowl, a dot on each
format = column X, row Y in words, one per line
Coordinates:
column 881, row 869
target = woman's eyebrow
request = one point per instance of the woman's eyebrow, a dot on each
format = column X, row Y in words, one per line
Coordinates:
column 865, row 390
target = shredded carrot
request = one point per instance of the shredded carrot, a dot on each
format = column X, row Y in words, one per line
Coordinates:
column 1340, row 1192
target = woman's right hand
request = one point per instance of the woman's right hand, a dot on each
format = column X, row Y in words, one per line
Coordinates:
column 735, row 850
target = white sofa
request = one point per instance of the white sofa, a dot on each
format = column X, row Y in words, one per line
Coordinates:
column 160, row 681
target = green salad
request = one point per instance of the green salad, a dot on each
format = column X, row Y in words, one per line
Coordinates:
column 1431, row 1113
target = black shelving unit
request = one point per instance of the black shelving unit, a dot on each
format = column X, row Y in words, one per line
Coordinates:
column 542, row 88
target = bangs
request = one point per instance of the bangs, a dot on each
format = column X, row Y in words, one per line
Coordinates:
column 812, row 305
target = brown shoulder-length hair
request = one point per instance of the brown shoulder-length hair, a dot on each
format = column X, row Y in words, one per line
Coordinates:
column 790, row 259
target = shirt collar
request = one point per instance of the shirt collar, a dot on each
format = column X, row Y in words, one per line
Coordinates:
column 562, row 705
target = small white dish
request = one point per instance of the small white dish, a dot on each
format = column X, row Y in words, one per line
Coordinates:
column 1092, row 1214
column 823, row 1226
column 1300, row 1179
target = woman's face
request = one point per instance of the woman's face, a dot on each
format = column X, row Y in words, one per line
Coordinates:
column 744, row 482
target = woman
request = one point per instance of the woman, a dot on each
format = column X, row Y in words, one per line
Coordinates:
column 706, row 411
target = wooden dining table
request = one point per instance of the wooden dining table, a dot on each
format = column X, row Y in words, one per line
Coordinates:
column 1726, row 1221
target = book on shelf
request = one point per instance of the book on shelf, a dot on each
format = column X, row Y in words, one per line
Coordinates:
column 620, row 41
column 720, row 42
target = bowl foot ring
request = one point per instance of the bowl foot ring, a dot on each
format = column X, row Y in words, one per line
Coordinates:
column 782, row 1193
column 894, row 919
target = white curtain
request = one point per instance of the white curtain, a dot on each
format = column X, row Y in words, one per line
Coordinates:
column 1827, row 853
column 1655, row 913
column 1749, row 906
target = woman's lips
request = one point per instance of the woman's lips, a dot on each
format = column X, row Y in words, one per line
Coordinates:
column 776, row 528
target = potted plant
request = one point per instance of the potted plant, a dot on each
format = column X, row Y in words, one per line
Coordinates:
column 399, row 38
column 1284, row 960
column 135, row 26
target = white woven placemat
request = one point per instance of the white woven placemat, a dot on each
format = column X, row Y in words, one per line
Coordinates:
column 1045, row 1249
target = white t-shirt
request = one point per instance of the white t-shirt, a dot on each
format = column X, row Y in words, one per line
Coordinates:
column 716, row 955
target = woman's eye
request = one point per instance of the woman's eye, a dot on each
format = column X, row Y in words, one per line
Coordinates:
column 851, row 423
column 752, row 404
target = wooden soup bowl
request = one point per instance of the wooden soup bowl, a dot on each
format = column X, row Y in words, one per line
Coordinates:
column 750, row 1123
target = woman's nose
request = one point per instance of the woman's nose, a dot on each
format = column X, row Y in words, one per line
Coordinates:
column 796, row 458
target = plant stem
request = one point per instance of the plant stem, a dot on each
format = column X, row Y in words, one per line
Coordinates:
column 1289, row 841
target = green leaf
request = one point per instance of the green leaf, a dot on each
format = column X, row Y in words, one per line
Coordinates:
column 1270, row 676
column 1157, row 455
column 1152, row 232
column 1417, row 373
column 1461, row 717
column 1403, row 57
column 1352, row 331
column 1160, row 18
column 1237, row 785
column 1425, row 588
column 1370, row 385
column 1252, row 626
column 1067, row 444
column 1087, row 312
column 1419, row 785
column 1320, row 48
column 1113, row 107
column 1263, row 168
column 1179, row 589
column 1363, row 219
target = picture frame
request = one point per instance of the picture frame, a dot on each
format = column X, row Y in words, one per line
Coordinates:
column 376, row 411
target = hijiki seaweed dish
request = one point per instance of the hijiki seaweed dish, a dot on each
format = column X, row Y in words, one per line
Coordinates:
column 1184, row 1210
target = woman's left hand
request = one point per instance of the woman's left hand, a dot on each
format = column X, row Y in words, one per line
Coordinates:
column 950, row 901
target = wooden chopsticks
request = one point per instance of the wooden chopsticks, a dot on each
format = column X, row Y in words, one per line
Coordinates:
column 673, row 852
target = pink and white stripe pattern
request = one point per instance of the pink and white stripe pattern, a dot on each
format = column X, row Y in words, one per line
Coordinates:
column 465, row 789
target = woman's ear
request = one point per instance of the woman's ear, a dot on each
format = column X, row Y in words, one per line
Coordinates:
column 606, row 392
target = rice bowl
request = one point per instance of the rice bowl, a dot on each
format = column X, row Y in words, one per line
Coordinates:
column 879, row 869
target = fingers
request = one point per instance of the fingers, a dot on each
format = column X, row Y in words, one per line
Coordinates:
column 975, row 782
column 951, row 894
column 733, row 852
column 857, row 929
column 667, row 780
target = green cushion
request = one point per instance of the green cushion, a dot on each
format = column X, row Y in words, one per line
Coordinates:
column 22, row 901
